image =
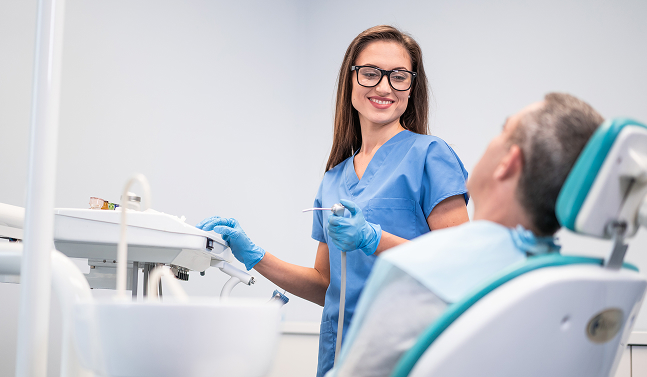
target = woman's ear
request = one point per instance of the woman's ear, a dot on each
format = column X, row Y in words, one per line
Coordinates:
column 510, row 165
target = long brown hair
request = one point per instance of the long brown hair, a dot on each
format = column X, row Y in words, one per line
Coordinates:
column 347, row 132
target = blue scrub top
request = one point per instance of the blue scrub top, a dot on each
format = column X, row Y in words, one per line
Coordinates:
column 404, row 181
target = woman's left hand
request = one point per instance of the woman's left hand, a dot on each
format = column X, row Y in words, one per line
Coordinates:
column 352, row 233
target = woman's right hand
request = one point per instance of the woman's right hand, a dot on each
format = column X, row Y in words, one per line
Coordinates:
column 354, row 232
column 241, row 246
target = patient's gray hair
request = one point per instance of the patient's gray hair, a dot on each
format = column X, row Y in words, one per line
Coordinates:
column 551, row 138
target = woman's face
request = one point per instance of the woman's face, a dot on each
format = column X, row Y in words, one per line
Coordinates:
column 381, row 104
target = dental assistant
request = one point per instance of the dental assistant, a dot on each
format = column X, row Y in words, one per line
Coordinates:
column 395, row 180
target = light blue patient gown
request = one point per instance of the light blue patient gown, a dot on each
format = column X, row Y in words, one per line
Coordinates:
column 407, row 177
column 412, row 285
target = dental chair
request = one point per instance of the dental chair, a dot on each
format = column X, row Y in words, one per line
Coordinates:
column 556, row 315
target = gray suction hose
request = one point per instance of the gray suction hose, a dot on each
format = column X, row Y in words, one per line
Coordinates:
column 338, row 210
column 342, row 305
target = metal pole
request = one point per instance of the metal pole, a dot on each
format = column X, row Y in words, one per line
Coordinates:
column 159, row 286
column 135, row 278
column 619, row 249
column 33, row 325
column 147, row 270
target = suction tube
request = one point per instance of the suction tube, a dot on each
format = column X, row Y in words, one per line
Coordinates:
column 342, row 306
column 122, row 247
column 338, row 210
column 237, row 276
column 228, row 287
column 12, row 216
column 69, row 285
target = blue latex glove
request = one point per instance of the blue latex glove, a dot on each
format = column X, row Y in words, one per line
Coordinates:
column 243, row 248
column 352, row 233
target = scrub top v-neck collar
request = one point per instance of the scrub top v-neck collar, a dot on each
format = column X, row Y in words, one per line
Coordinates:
column 353, row 183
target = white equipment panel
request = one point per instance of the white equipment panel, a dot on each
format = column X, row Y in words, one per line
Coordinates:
column 152, row 236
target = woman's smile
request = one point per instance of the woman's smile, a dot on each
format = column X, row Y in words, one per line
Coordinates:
column 380, row 102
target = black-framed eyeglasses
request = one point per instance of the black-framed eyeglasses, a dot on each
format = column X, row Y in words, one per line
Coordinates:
column 369, row 76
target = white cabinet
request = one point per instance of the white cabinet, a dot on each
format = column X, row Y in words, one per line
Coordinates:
column 624, row 369
column 638, row 361
column 633, row 362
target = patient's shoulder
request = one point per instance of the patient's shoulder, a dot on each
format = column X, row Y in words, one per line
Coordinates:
column 473, row 234
column 452, row 261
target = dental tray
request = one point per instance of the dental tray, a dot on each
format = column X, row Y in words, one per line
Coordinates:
column 152, row 236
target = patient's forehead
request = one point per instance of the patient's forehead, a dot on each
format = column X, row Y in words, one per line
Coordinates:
column 513, row 121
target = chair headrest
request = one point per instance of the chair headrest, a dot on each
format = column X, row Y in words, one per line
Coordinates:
column 608, row 181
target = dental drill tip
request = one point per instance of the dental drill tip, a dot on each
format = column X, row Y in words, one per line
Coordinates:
column 316, row 209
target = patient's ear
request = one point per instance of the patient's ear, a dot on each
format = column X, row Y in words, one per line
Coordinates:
column 510, row 165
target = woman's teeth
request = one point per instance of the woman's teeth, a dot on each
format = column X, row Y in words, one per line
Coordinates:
column 381, row 102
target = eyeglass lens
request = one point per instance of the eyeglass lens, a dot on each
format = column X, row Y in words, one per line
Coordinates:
column 400, row 80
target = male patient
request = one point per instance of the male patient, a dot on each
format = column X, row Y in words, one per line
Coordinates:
column 514, row 188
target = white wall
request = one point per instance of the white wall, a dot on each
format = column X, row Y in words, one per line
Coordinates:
column 227, row 106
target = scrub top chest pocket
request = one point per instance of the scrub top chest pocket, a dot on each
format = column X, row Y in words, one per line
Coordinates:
column 394, row 215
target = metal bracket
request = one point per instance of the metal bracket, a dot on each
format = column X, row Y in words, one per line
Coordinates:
column 617, row 229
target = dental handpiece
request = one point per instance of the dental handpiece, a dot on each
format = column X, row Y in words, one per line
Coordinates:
column 337, row 209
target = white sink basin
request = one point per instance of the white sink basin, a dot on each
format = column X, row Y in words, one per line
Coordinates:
column 202, row 337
